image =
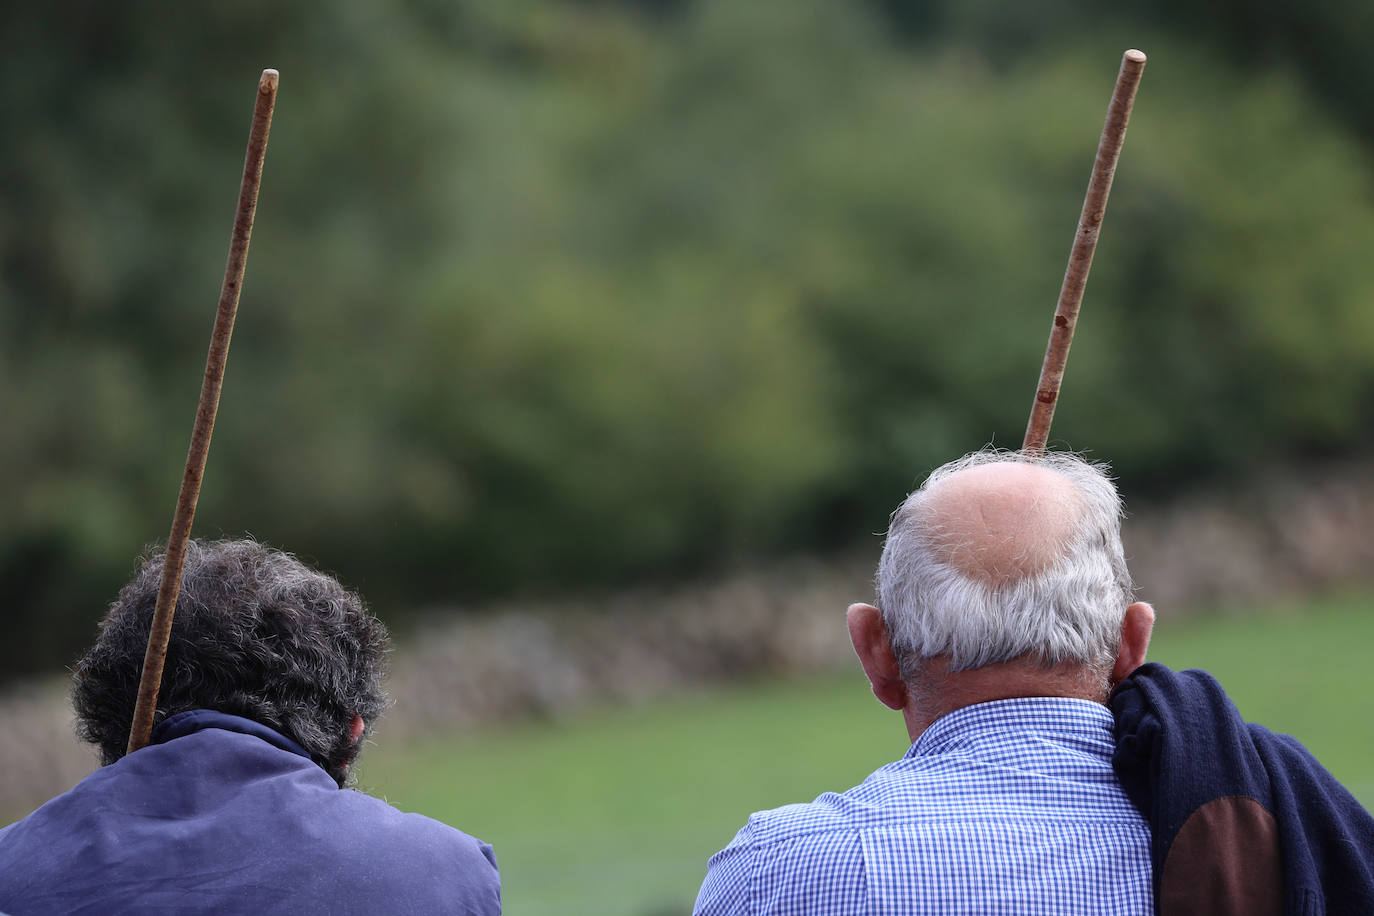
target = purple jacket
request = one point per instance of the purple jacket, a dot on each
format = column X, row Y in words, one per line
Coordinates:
column 221, row 814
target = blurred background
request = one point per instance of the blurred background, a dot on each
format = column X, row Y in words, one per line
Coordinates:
column 594, row 341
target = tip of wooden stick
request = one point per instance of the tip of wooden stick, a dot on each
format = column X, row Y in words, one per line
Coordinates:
column 268, row 82
column 1134, row 56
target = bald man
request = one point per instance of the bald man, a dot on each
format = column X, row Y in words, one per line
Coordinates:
column 1005, row 615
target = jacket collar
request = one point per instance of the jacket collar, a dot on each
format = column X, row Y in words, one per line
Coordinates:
column 192, row 721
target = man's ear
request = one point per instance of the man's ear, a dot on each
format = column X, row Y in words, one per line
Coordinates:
column 869, row 636
column 356, row 729
column 1135, row 639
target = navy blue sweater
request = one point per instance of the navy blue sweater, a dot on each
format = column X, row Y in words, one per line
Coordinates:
column 1244, row 820
column 224, row 815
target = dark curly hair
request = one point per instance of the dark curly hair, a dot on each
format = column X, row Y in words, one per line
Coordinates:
column 256, row 634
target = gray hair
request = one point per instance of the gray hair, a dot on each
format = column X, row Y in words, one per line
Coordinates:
column 1070, row 610
column 256, row 634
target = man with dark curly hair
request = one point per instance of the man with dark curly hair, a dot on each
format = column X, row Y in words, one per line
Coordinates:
column 272, row 683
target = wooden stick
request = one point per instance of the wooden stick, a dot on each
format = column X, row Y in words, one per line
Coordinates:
column 161, row 631
column 1081, row 255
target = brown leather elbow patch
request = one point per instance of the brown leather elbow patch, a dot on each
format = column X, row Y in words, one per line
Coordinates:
column 1224, row 860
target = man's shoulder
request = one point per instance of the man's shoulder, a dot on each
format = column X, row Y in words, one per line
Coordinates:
column 312, row 841
column 863, row 805
column 439, row 861
column 389, row 825
column 827, row 813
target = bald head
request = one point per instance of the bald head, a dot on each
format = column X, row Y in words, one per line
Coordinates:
column 999, row 522
column 1001, row 556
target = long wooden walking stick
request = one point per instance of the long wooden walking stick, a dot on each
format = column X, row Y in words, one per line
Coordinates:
column 1081, row 255
column 161, row 631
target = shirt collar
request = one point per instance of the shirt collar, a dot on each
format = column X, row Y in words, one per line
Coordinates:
column 194, row 720
column 1082, row 724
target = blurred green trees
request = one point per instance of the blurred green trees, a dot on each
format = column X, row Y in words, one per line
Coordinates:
column 547, row 294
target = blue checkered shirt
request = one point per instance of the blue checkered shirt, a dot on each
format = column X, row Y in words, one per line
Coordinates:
column 1005, row 807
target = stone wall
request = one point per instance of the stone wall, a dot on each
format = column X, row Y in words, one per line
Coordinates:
column 1280, row 536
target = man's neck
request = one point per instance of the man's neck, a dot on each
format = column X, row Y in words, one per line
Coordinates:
column 937, row 691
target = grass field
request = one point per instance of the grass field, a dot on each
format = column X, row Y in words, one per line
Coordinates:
column 615, row 812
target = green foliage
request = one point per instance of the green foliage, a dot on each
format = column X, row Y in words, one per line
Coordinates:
column 544, row 295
